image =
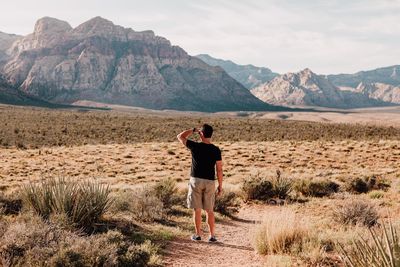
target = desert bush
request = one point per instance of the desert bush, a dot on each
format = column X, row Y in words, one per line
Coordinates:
column 282, row 186
column 382, row 251
column 316, row 188
column 257, row 188
column 83, row 203
column 166, row 191
column 279, row 233
column 356, row 212
column 9, row 205
column 142, row 204
column 227, row 203
column 366, row 184
column 33, row 242
column 262, row 188
column 376, row 194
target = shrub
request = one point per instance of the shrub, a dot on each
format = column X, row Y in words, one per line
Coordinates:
column 83, row 203
column 316, row 188
column 166, row 191
column 279, row 233
column 375, row 194
column 141, row 203
column 356, row 212
column 282, row 186
column 257, row 188
column 384, row 251
column 32, row 242
column 366, row 184
column 9, row 205
column 260, row 188
column 227, row 203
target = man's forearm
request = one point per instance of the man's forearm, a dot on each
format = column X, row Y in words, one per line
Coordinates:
column 182, row 137
column 220, row 178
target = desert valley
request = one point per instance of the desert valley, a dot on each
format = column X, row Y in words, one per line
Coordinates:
column 91, row 172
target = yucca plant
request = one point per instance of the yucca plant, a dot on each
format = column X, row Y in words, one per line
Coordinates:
column 83, row 203
column 384, row 251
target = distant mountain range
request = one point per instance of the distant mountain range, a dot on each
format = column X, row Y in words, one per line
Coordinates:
column 103, row 62
column 248, row 75
column 379, row 87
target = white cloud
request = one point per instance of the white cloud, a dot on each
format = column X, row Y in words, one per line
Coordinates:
column 284, row 35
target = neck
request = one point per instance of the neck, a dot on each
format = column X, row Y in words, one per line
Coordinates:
column 206, row 140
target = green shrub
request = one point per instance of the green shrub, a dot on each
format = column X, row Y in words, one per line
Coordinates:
column 166, row 191
column 261, row 188
column 383, row 251
column 376, row 194
column 83, row 203
column 356, row 212
column 366, row 184
column 227, row 203
column 316, row 188
column 257, row 188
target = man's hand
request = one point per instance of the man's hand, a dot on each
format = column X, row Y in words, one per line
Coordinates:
column 219, row 190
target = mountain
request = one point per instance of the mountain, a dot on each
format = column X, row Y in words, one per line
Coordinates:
column 13, row 96
column 380, row 91
column 306, row 88
column 103, row 62
column 6, row 40
column 248, row 75
column 388, row 75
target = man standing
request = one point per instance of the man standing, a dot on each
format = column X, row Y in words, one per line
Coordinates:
column 206, row 157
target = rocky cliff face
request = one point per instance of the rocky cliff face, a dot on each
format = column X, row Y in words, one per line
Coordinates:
column 248, row 75
column 6, row 41
column 103, row 62
column 387, row 75
column 380, row 91
column 305, row 88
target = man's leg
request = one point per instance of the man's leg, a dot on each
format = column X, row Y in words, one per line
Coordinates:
column 211, row 222
column 197, row 220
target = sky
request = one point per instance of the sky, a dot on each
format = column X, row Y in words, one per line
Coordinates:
column 327, row 36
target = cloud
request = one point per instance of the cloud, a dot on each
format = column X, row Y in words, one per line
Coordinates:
column 284, row 35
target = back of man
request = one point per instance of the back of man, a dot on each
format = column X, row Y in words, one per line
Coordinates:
column 206, row 157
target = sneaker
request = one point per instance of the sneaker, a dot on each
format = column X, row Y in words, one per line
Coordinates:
column 212, row 239
column 195, row 237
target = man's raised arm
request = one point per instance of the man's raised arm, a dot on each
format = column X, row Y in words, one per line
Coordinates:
column 182, row 137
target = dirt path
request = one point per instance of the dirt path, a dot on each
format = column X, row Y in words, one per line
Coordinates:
column 233, row 249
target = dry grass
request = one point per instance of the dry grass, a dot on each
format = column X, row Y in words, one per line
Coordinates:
column 356, row 212
column 279, row 234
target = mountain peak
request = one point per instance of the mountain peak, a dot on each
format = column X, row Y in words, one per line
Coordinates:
column 51, row 26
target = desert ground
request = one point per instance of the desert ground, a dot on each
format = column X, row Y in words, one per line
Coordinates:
column 132, row 149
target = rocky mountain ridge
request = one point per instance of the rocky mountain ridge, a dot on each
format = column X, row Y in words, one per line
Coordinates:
column 306, row 88
column 103, row 62
column 248, row 75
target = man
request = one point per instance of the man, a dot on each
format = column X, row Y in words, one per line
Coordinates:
column 206, row 157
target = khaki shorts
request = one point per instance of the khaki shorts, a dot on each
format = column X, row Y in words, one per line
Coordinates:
column 201, row 194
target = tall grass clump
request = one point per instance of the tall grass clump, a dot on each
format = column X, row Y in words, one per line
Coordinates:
column 366, row 184
column 280, row 233
column 382, row 251
column 82, row 203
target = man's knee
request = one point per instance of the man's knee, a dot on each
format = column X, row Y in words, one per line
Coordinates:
column 210, row 212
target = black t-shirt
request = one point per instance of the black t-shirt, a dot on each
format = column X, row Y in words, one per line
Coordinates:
column 204, row 157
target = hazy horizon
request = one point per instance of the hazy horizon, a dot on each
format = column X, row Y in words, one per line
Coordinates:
column 286, row 36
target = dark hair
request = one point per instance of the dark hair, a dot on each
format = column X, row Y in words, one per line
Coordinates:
column 207, row 130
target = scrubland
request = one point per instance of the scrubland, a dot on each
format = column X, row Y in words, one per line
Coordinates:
column 296, row 193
